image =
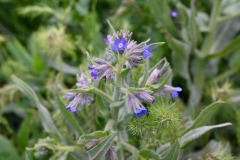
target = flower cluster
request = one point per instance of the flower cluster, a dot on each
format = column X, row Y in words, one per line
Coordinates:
column 79, row 100
column 122, row 54
column 133, row 102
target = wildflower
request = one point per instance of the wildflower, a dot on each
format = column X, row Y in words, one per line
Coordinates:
column 79, row 100
column 108, row 40
column 81, row 82
column 91, row 143
column 111, row 154
column 156, row 74
column 102, row 68
column 174, row 14
column 144, row 96
column 94, row 72
column 147, row 53
column 140, row 112
column 173, row 90
column 119, row 44
column 133, row 53
column 134, row 104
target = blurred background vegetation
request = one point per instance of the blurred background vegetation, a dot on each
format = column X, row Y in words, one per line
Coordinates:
column 44, row 43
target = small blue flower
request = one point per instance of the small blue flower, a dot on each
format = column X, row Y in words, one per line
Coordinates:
column 119, row 45
column 94, row 72
column 173, row 90
column 174, row 14
column 140, row 112
column 147, row 53
column 108, row 39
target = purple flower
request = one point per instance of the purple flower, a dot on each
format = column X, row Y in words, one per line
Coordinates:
column 94, row 73
column 111, row 154
column 133, row 52
column 140, row 112
column 79, row 101
column 155, row 75
column 135, row 105
column 92, row 143
column 108, row 40
column 172, row 90
column 144, row 96
column 103, row 69
column 147, row 53
column 174, row 14
column 81, row 82
column 119, row 45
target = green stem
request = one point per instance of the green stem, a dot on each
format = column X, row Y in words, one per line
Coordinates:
column 212, row 28
column 104, row 95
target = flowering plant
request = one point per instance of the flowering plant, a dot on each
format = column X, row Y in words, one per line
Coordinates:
column 142, row 116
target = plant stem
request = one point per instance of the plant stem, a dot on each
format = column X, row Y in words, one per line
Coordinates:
column 101, row 93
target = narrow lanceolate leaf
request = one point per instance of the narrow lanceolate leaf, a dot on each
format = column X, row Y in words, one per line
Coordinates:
column 205, row 116
column 7, row 151
column 173, row 153
column 149, row 154
column 94, row 135
column 99, row 151
column 195, row 133
column 44, row 114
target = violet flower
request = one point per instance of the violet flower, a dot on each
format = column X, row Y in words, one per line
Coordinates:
column 144, row 96
column 134, row 104
column 119, row 45
column 172, row 90
column 174, row 14
column 140, row 112
column 94, row 73
column 79, row 100
column 103, row 69
column 108, row 40
column 146, row 53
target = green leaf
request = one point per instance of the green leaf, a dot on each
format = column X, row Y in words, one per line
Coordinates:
column 173, row 153
column 206, row 114
column 116, row 104
column 94, row 135
column 44, row 114
column 125, row 72
column 195, row 133
column 99, row 151
column 23, row 134
column 149, row 154
column 7, row 151
column 19, row 52
column 102, row 107
column 234, row 45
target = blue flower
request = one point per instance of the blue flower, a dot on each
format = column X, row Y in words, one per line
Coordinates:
column 140, row 112
column 173, row 90
column 94, row 72
column 135, row 105
column 108, row 39
column 119, row 45
column 174, row 14
column 146, row 52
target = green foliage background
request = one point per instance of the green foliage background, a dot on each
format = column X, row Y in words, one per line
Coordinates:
column 44, row 43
